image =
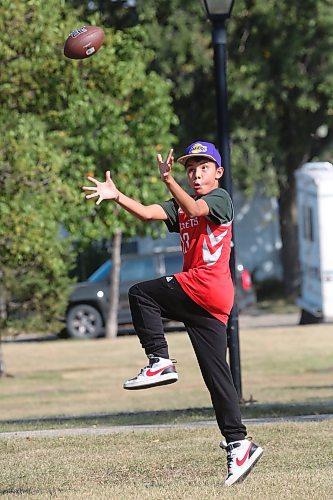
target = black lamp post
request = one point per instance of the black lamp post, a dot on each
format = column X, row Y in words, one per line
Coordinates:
column 218, row 11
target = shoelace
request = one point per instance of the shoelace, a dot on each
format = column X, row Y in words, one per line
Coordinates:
column 155, row 359
column 230, row 452
column 224, row 445
column 152, row 360
column 230, row 458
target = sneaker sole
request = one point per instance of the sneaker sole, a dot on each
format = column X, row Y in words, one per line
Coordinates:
column 153, row 384
column 255, row 459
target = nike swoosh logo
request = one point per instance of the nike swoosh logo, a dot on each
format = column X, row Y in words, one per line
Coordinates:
column 241, row 462
column 151, row 373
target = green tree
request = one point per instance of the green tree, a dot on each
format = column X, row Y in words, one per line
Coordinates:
column 64, row 119
column 35, row 258
column 279, row 81
column 179, row 35
column 281, row 65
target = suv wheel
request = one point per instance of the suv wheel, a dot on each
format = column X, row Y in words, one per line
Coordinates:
column 84, row 322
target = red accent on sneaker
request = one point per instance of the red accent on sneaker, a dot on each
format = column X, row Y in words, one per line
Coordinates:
column 241, row 462
column 149, row 373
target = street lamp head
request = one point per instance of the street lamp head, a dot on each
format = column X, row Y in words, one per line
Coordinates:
column 218, row 9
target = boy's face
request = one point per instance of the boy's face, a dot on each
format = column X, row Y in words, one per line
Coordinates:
column 202, row 174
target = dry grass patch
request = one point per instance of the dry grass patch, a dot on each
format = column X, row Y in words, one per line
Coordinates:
column 279, row 365
column 288, row 364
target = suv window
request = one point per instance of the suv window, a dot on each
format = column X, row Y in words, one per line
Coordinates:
column 139, row 269
column 101, row 273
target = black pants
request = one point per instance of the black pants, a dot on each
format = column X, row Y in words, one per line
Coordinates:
column 152, row 300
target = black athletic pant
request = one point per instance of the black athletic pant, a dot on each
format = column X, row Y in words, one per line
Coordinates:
column 152, row 300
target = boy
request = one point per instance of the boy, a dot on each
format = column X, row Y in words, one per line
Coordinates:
column 201, row 296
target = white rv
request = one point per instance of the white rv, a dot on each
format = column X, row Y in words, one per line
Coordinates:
column 314, row 182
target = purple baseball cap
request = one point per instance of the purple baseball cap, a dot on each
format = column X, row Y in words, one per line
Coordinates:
column 199, row 148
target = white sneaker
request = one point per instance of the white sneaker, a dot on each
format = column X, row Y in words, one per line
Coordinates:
column 241, row 457
column 160, row 371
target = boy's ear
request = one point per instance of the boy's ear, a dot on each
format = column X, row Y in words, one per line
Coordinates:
column 219, row 172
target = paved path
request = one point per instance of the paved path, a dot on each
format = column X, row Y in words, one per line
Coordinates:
column 98, row 431
column 252, row 318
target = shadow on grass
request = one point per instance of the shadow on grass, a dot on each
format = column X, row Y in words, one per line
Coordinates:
column 177, row 416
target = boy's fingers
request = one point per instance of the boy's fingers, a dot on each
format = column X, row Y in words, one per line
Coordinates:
column 88, row 188
column 92, row 179
column 170, row 155
column 93, row 195
column 108, row 175
column 99, row 201
column 159, row 158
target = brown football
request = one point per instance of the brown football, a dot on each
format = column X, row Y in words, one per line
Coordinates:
column 84, row 42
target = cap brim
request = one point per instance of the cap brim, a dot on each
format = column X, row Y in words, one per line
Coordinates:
column 182, row 159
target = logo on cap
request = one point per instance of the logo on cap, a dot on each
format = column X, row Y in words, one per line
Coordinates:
column 198, row 148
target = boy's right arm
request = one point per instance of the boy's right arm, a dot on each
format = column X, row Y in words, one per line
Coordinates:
column 108, row 191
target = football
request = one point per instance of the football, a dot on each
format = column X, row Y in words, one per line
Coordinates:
column 84, row 42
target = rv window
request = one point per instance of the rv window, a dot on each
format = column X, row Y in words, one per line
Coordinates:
column 308, row 223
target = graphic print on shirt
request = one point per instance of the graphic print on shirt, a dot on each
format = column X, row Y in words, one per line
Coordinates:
column 185, row 235
column 205, row 277
column 185, row 242
column 211, row 248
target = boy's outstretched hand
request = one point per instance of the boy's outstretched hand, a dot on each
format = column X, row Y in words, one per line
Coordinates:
column 104, row 190
column 165, row 166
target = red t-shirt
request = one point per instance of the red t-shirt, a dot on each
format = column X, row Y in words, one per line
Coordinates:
column 206, row 242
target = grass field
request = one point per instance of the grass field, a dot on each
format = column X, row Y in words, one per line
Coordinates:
column 280, row 368
column 174, row 464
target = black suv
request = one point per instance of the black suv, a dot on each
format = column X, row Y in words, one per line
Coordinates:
column 88, row 303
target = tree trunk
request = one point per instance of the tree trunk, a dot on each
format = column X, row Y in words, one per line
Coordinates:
column 3, row 305
column 289, row 237
column 3, row 317
column 112, row 320
column 2, row 363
